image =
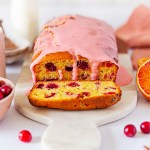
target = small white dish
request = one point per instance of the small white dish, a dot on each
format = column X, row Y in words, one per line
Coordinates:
column 18, row 53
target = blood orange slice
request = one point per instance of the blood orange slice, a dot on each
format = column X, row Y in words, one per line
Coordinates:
column 143, row 79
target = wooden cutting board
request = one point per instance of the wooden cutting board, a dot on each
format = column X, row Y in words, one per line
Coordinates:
column 73, row 130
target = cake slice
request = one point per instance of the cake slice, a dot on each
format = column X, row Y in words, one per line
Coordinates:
column 74, row 95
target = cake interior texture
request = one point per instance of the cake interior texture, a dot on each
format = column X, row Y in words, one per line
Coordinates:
column 75, row 95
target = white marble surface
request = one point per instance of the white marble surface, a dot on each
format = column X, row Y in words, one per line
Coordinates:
column 112, row 133
column 75, row 130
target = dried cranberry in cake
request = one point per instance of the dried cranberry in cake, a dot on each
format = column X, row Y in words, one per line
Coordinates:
column 52, row 86
column 68, row 68
column 50, row 95
column 69, row 93
column 73, row 84
column 82, row 64
column 50, row 66
column 84, row 94
column 109, row 92
column 40, row 86
column 108, row 64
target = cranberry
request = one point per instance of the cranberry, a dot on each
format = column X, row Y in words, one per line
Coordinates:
column 69, row 93
column 51, row 95
column 67, row 68
column 40, row 86
column 130, row 130
column 50, row 67
column 5, row 90
column 145, row 127
column 52, row 86
column 82, row 64
column 109, row 64
column 25, row 136
column 84, row 94
column 110, row 93
column 1, row 96
column 73, row 84
column 2, row 83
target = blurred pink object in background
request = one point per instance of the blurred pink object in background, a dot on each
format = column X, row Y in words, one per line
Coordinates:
column 2, row 55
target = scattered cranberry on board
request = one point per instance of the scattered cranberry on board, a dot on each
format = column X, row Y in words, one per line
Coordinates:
column 145, row 127
column 25, row 136
column 130, row 130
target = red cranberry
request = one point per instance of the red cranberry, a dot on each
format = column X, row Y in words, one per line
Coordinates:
column 109, row 64
column 82, row 64
column 145, row 127
column 130, row 130
column 110, row 93
column 50, row 67
column 51, row 95
column 84, row 94
column 25, row 136
column 67, row 68
column 1, row 96
column 5, row 90
column 52, row 86
column 73, row 84
column 40, row 86
column 69, row 93
column 2, row 83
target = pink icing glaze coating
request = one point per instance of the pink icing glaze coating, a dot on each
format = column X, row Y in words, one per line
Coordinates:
column 84, row 36
column 123, row 77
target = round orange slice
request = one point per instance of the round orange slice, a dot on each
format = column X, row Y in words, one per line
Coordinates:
column 143, row 79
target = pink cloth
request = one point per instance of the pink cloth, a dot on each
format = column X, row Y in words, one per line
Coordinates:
column 136, row 31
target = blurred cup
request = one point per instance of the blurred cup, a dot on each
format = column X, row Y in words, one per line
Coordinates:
column 24, row 18
column 2, row 55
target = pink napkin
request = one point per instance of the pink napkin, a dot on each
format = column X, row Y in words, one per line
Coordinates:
column 136, row 31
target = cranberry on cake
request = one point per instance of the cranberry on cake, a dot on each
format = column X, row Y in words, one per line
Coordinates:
column 75, row 64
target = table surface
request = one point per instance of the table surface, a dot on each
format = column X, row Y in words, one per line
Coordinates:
column 112, row 134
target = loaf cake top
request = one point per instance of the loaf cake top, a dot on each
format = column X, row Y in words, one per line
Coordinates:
column 88, row 37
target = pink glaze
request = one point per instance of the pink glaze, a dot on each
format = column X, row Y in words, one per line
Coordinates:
column 88, row 37
column 123, row 77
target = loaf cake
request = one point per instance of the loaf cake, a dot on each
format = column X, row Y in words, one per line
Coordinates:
column 78, row 50
column 75, row 95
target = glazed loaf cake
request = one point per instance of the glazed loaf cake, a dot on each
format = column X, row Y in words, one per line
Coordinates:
column 74, row 47
column 75, row 64
column 75, row 95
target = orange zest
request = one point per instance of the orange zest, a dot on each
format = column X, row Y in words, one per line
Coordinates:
column 143, row 79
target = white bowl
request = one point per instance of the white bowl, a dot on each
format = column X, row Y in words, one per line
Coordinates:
column 17, row 54
column 6, row 102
